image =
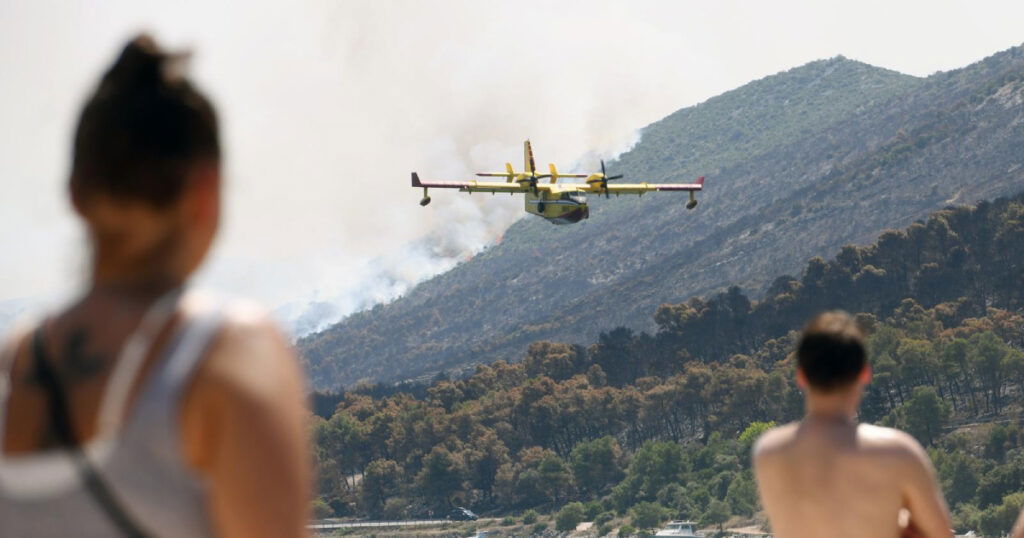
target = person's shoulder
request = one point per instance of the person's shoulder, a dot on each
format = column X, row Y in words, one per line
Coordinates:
column 774, row 440
column 890, row 441
column 250, row 355
column 882, row 435
column 244, row 325
column 14, row 343
column 13, row 338
column 245, row 319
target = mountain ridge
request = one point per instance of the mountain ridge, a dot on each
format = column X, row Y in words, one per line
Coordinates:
column 832, row 141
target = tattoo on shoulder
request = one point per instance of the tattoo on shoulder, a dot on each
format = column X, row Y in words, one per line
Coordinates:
column 78, row 362
column 75, row 365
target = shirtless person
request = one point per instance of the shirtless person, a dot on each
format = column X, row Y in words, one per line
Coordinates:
column 827, row 475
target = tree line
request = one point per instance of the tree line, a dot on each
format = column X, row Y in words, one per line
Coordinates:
column 661, row 424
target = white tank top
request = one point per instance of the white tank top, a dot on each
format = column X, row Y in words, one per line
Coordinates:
column 139, row 455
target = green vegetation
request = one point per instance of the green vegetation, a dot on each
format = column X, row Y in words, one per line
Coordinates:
column 660, row 426
column 798, row 164
column 716, row 514
column 648, row 515
column 569, row 516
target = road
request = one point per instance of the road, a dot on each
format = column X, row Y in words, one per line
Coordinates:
column 330, row 525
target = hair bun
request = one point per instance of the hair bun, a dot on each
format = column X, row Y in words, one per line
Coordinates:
column 143, row 128
column 144, row 64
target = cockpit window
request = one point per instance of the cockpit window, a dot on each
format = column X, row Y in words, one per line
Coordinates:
column 578, row 198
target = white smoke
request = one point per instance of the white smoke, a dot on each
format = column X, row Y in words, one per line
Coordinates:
column 328, row 105
column 463, row 226
column 322, row 221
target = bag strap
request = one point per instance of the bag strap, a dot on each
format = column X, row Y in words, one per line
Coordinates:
column 59, row 415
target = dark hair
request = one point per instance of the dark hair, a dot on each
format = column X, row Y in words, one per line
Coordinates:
column 143, row 128
column 831, row 352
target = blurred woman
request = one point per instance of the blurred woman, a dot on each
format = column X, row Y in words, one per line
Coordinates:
column 144, row 408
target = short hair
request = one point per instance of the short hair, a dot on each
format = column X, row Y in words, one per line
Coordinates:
column 143, row 128
column 831, row 352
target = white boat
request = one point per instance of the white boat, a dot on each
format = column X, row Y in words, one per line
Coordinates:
column 680, row 528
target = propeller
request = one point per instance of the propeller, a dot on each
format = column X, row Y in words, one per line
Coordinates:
column 533, row 183
column 532, row 178
column 605, row 179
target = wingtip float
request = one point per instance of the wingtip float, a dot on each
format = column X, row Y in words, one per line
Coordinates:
column 559, row 203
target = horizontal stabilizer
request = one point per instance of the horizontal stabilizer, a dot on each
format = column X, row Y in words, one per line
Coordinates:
column 695, row 186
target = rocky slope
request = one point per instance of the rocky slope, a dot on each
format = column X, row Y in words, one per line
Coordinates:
column 797, row 164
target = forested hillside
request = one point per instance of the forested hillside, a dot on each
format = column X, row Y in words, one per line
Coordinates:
column 657, row 426
column 798, row 164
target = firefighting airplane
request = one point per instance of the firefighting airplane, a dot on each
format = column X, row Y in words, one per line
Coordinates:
column 560, row 203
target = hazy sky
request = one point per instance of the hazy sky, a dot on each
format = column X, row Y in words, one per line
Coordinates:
column 328, row 105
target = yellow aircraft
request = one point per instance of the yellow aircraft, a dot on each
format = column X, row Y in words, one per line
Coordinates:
column 560, row 203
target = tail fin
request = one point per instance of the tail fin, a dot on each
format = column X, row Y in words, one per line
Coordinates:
column 700, row 181
column 511, row 172
column 555, row 175
column 416, row 180
column 528, row 157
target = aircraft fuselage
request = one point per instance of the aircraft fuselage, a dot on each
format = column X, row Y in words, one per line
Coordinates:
column 563, row 208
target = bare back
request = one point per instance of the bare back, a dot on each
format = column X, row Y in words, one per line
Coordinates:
column 846, row 480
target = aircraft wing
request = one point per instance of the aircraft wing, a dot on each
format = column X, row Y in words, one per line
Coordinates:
column 640, row 188
column 469, row 186
column 559, row 188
